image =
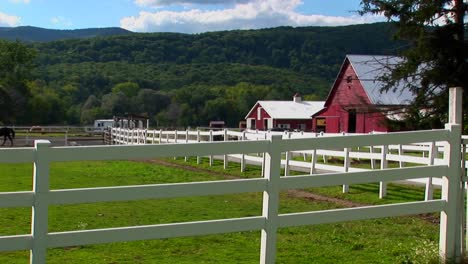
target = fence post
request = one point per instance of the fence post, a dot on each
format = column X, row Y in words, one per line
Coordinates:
column 127, row 136
column 347, row 163
column 160, row 136
column 371, row 150
column 226, row 161
column 287, row 158
column 429, row 193
column 271, row 202
column 211, row 140
column 40, row 210
column 263, row 159
column 383, row 166
column 401, row 153
column 256, row 134
column 313, row 161
column 186, row 141
column 198, row 140
column 304, row 154
column 175, row 139
column 451, row 228
column 243, row 155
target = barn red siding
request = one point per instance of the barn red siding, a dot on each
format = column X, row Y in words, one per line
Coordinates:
column 259, row 123
column 346, row 95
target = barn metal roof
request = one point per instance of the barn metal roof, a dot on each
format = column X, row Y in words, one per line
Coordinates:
column 290, row 109
column 369, row 68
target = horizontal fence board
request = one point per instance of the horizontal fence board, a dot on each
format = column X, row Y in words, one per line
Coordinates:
column 18, row 242
column 234, row 133
column 406, row 158
column 155, row 151
column 332, row 168
column 363, row 140
column 331, row 179
column 16, row 199
column 109, row 235
column 360, row 213
column 17, row 155
column 465, row 140
column 218, row 133
column 154, row 191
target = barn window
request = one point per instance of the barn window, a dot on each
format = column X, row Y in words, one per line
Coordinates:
column 349, row 79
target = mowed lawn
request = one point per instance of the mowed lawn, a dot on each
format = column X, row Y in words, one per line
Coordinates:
column 389, row 240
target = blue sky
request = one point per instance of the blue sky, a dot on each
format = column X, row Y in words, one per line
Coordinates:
column 188, row 16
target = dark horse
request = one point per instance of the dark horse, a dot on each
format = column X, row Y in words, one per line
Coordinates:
column 9, row 133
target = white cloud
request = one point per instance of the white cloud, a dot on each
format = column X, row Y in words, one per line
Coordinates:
column 20, row 1
column 252, row 14
column 61, row 21
column 160, row 3
column 9, row 21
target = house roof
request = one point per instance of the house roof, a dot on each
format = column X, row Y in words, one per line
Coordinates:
column 369, row 68
column 290, row 109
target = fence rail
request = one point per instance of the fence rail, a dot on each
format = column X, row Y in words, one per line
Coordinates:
column 392, row 149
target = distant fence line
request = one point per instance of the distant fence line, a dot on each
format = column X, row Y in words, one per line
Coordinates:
column 422, row 153
column 67, row 135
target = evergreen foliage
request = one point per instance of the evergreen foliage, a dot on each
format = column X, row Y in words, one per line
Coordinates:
column 436, row 57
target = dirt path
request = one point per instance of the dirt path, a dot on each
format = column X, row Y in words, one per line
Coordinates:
column 297, row 193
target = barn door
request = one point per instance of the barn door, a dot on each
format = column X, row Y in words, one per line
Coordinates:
column 352, row 121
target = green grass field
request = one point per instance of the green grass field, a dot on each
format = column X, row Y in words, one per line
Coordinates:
column 389, row 240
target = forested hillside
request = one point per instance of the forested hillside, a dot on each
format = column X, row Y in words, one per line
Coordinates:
column 188, row 80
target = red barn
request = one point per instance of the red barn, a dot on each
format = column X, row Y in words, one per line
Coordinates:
column 295, row 114
column 355, row 103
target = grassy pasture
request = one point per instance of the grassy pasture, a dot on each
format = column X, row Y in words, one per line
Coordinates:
column 389, row 240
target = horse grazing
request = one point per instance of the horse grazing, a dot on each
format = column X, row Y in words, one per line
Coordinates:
column 9, row 133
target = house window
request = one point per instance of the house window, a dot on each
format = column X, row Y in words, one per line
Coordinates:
column 284, row 126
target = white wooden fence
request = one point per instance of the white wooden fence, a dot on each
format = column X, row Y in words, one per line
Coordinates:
column 421, row 153
column 41, row 197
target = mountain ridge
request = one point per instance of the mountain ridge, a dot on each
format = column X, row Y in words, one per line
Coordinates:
column 38, row 34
